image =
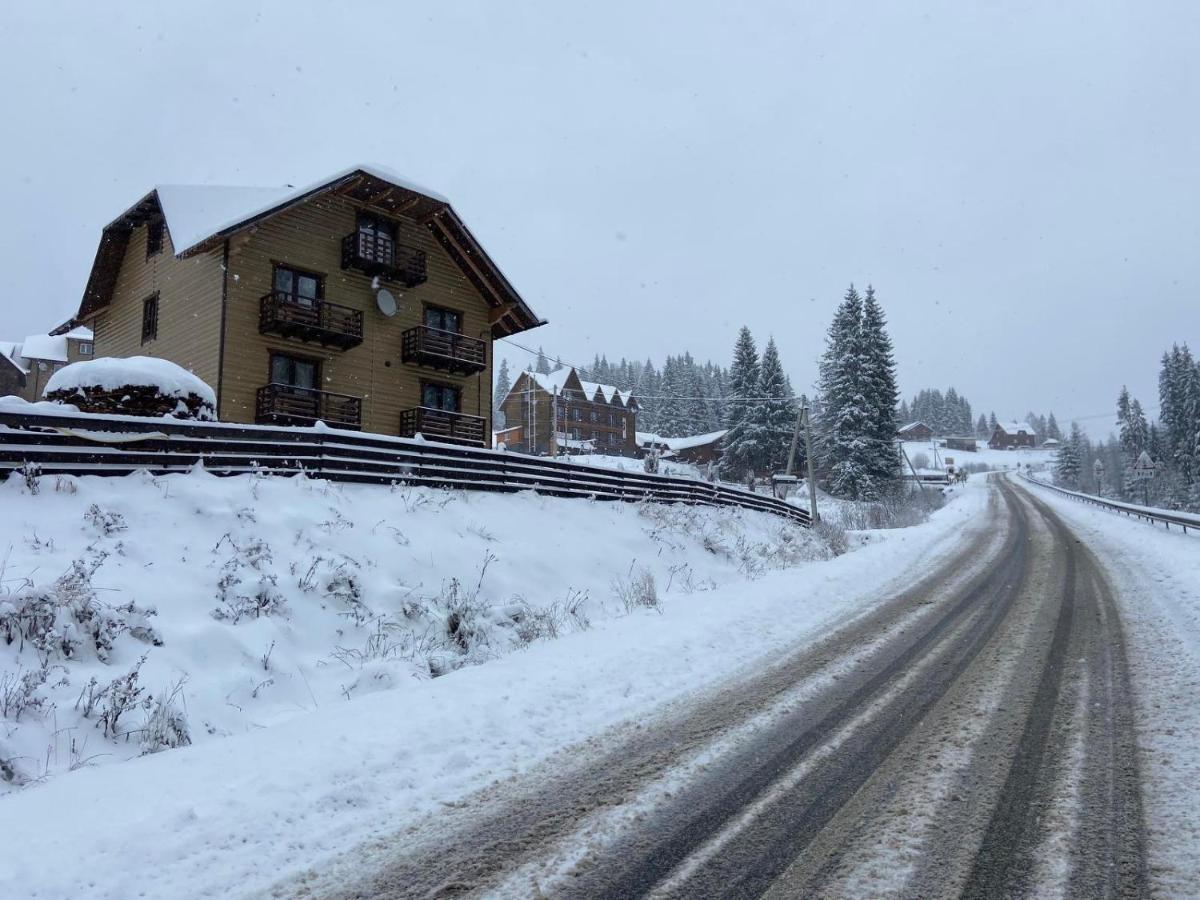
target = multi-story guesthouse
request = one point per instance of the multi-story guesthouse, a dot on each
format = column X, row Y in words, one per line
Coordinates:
column 1011, row 435
column 362, row 301
column 556, row 413
column 26, row 366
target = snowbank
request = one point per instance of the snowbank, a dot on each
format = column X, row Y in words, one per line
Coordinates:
column 360, row 741
column 112, row 373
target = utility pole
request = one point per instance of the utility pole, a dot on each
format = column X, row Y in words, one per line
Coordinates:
column 803, row 420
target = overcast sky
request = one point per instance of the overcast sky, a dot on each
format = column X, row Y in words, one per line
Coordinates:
column 1018, row 180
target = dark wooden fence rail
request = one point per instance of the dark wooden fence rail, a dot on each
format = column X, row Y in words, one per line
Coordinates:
column 119, row 445
column 1146, row 514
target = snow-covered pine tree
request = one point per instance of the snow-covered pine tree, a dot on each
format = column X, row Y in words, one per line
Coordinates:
column 992, row 422
column 881, row 392
column 903, row 413
column 847, row 457
column 499, row 392
column 775, row 415
column 981, row 428
column 1052, row 429
column 1068, row 463
column 542, row 366
column 741, row 452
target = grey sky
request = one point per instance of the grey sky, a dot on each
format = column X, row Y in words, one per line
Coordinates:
column 1017, row 179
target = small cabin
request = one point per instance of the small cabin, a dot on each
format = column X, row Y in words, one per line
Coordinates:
column 964, row 444
column 915, row 431
column 1011, row 435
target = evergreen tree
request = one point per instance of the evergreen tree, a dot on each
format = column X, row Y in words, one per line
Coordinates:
column 992, row 423
column 775, row 415
column 880, row 391
column 981, row 428
column 741, row 452
column 845, row 422
column 542, row 366
column 1052, row 429
column 1069, row 461
column 500, row 391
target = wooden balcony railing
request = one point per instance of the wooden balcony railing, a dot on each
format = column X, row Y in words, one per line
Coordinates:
column 286, row 404
column 442, row 425
column 319, row 321
column 446, row 350
column 374, row 254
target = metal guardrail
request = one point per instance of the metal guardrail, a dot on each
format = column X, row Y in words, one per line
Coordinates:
column 1145, row 513
column 120, row 445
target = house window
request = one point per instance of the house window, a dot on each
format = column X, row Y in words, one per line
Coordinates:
column 85, row 348
column 577, row 415
column 295, row 371
column 441, row 396
column 376, row 239
column 591, row 415
column 443, row 319
column 297, row 287
column 150, row 318
column 575, row 434
column 154, row 237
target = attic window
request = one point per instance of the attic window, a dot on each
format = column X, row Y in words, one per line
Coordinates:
column 154, row 237
column 376, row 239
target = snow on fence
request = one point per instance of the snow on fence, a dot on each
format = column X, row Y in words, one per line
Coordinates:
column 1146, row 513
column 78, row 444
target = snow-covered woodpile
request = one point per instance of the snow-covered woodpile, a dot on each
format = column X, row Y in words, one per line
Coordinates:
column 137, row 386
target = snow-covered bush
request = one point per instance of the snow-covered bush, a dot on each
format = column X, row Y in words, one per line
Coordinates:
column 636, row 590
column 135, row 386
column 166, row 726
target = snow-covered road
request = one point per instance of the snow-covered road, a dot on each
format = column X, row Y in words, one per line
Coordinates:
column 233, row 817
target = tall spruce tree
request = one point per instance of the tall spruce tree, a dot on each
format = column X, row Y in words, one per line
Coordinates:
column 542, row 366
column 1067, row 465
column 499, row 392
column 775, row 414
column 741, row 453
column 880, row 391
column 981, row 428
column 845, row 426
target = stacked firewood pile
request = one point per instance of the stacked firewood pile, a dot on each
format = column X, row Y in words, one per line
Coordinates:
column 135, row 400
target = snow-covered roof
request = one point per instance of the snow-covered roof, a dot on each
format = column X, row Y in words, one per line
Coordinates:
column 693, row 440
column 556, row 379
column 79, row 333
column 1014, row 427
column 112, row 373
column 195, row 213
column 11, row 351
column 52, row 347
column 912, row 425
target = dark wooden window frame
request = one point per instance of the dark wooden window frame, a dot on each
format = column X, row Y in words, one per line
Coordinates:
column 319, row 277
column 445, row 386
column 376, row 224
column 271, row 354
column 442, row 308
column 150, row 318
column 154, row 237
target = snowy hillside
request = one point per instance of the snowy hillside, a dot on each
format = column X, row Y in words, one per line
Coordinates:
column 146, row 613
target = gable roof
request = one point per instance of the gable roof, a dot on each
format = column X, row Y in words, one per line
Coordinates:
column 200, row 217
column 557, row 381
column 912, row 425
column 10, row 352
column 1014, row 427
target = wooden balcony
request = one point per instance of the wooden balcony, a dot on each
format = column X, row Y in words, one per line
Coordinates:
column 317, row 321
column 286, row 404
column 445, row 350
column 378, row 256
column 442, row 425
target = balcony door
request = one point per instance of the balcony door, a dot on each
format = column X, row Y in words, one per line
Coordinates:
column 441, row 396
column 302, row 289
column 295, row 372
column 443, row 319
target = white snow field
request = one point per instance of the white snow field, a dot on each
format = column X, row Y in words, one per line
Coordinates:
column 995, row 459
column 320, row 749
column 1156, row 574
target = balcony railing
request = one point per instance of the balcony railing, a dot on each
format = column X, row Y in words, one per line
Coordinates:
column 446, row 350
column 319, row 321
column 377, row 255
column 442, row 425
column 286, row 404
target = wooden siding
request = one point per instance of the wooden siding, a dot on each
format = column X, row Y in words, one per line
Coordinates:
column 309, row 237
column 189, row 308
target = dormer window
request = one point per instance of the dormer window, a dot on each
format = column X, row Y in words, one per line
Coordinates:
column 376, row 239
column 154, row 237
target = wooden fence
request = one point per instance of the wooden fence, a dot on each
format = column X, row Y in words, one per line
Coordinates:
column 118, row 445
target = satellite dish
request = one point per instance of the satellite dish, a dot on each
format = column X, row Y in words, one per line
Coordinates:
column 386, row 302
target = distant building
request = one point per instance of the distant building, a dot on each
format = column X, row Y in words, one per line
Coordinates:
column 696, row 449
column 1051, row 444
column 27, row 365
column 965, row 444
column 915, row 431
column 1011, row 435
column 560, row 413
